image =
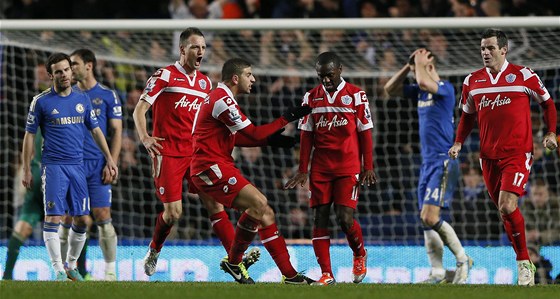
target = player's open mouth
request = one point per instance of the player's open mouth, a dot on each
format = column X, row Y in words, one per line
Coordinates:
column 198, row 61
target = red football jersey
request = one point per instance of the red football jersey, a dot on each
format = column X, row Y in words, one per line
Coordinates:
column 216, row 123
column 175, row 98
column 335, row 121
column 503, row 107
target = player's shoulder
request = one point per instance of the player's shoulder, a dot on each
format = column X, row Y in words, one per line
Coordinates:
column 44, row 94
column 525, row 72
column 479, row 75
column 351, row 88
column 164, row 73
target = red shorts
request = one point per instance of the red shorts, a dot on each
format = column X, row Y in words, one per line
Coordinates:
column 169, row 173
column 509, row 174
column 221, row 182
column 328, row 188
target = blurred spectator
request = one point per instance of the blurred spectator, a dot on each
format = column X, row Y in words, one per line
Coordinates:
column 433, row 8
column 371, row 9
column 285, row 47
column 404, row 9
column 473, row 184
column 491, row 8
column 42, row 80
column 542, row 211
column 293, row 9
column 24, row 9
column 462, row 8
column 543, row 265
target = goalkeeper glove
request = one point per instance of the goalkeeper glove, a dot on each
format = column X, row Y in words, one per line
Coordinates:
column 294, row 113
column 279, row 140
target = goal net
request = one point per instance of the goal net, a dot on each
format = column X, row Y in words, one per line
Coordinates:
column 283, row 54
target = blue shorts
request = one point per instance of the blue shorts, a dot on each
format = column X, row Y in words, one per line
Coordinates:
column 437, row 183
column 99, row 193
column 65, row 190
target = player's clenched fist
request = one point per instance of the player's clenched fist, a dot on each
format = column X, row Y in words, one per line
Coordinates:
column 454, row 150
column 549, row 141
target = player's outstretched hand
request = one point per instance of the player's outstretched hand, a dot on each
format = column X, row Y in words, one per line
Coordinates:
column 298, row 179
column 294, row 113
column 454, row 150
column 368, row 177
column 279, row 140
column 152, row 146
column 549, row 141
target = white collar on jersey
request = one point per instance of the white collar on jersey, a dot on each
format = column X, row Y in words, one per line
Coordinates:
column 338, row 88
column 495, row 80
column 182, row 70
column 226, row 88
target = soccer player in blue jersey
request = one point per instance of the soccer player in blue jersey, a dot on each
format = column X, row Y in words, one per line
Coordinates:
column 108, row 111
column 439, row 174
column 62, row 113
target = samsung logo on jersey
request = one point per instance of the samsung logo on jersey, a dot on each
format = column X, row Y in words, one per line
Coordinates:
column 70, row 120
column 422, row 104
column 335, row 122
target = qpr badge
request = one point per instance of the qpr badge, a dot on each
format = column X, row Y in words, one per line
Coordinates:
column 346, row 100
column 510, row 78
column 202, row 83
column 232, row 180
column 161, row 190
column 80, row 108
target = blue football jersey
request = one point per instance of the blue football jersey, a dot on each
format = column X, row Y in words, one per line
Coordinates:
column 435, row 118
column 106, row 105
column 62, row 121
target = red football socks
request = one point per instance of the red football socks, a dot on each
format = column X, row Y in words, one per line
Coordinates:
column 276, row 246
column 514, row 224
column 160, row 233
column 244, row 235
column 355, row 239
column 223, row 229
column 321, row 245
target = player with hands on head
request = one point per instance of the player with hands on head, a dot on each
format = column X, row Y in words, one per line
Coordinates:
column 220, row 125
column 174, row 94
column 338, row 131
column 62, row 113
column 497, row 97
column 439, row 175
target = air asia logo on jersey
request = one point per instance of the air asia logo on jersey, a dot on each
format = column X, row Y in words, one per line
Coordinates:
column 80, row 108
column 335, row 122
column 183, row 102
column 510, row 78
column 202, row 83
column 497, row 102
column 346, row 100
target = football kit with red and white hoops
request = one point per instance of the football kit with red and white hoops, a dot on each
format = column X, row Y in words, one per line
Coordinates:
column 335, row 122
column 214, row 132
column 175, row 98
column 502, row 104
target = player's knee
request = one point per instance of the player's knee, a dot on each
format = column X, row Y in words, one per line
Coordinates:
column 82, row 221
column 23, row 229
column 260, row 206
column 106, row 229
column 345, row 220
column 429, row 219
column 101, row 214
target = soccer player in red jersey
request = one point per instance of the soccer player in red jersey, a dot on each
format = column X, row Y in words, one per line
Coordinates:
column 498, row 96
column 175, row 94
column 339, row 132
column 219, row 126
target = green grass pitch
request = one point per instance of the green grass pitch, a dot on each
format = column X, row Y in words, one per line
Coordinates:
column 209, row 290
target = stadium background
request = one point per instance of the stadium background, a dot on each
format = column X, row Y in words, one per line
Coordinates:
column 372, row 50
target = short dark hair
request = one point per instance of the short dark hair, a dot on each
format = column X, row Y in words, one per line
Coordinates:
column 234, row 66
column 87, row 56
column 56, row 58
column 501, row 37
column 188, row 32
column 328, row 57
column 434, row 61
